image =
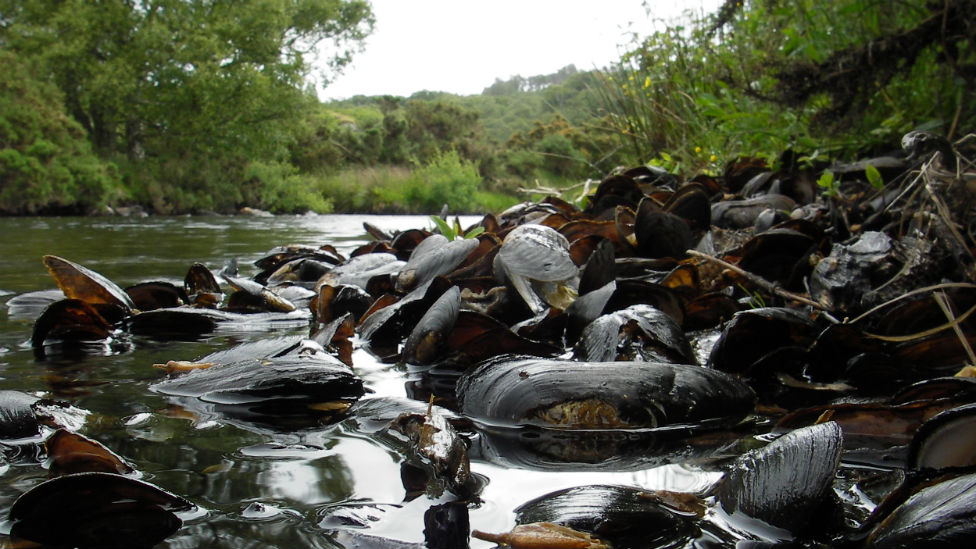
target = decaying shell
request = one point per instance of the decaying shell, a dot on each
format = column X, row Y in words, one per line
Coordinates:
column 536, row 260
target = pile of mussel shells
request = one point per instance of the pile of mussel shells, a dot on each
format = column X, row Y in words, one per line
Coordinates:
column 814, row 347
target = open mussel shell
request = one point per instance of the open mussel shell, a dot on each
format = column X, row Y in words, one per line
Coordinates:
column 639, row 332
column 97, row 510
column 600, row 395
column 250, row 296
column 946, row 440
column 78, row 282
column 201, row 287
column 70, row 320
column 70, row 453
column 623, row 516
column 786, row 482
column 940, row 515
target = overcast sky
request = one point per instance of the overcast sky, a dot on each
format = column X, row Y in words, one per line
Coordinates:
column 462, row 46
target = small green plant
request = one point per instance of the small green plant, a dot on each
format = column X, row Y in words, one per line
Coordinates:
column 829, row 184
column 873, row 176
column 454, row 232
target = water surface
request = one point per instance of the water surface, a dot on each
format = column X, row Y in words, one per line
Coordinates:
column 255, row 487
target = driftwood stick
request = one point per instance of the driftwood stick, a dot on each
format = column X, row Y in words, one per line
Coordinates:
column 758, row 280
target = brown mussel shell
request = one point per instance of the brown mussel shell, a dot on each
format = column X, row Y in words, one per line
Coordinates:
column 78, row 282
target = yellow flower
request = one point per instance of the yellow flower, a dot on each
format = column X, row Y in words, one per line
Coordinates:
column 647, row 82
column 697, row 150
column 712, row 158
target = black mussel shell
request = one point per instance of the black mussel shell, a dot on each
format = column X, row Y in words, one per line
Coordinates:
column 426, row 340
column 639, row 332
column 70, row 453
column 156, row 295
column 97, row 510
column 599, row 268
column 600, row 395
column 275, row 385
column 614, row 191
column 786, row 482
column 740, row 214
column 754, row 333
column 946, row 440
column 17, row 418
column 659, row 233
column 434, row 256
column 941, row 515
column 692, row 204
column 623, row 516
column 779, row 255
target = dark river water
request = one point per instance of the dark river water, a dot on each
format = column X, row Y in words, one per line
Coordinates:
column 253, row 487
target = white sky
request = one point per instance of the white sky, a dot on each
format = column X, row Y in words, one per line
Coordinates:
column 462, row 46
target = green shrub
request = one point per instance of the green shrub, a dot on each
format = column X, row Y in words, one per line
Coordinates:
column 446, row 179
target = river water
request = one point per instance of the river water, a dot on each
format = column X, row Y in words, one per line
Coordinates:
column 254, row 487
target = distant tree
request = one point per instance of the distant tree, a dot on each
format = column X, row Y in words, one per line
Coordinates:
column 46, row 162
column 166, row 84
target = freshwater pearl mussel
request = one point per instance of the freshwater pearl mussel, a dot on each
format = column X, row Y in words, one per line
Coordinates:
column 799, row 349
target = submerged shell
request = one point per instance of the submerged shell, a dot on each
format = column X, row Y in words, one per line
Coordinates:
column 599, row 395
column 97, row 510
column 70, row 320
column 614, row 513
column 784, row 482
column 17, row 418
column 287, row 380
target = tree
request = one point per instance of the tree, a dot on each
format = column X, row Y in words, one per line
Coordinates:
column 206, row 84
column 46, row 163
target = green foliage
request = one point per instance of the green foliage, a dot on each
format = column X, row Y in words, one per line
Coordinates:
column 873, row 176
column 186, row 93
column 446, row 179
column 454, row 232
column 829, row 184
column 758, row 77
column 46, row 163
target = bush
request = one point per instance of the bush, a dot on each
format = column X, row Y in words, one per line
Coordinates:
column 446, row 179
column 46, row 162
